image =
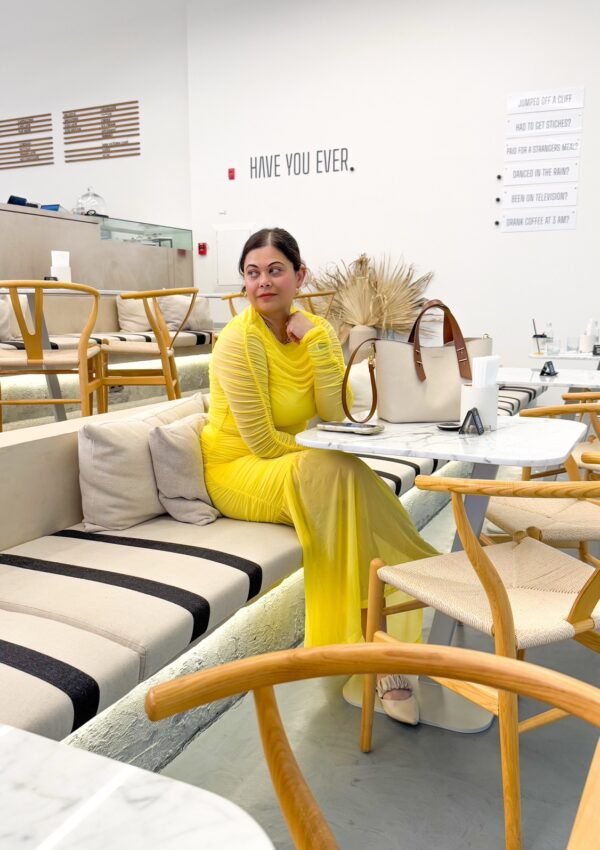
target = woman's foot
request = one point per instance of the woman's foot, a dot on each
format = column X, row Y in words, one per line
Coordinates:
column 397, row 698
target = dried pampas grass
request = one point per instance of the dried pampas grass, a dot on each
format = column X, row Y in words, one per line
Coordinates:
column 379, row 294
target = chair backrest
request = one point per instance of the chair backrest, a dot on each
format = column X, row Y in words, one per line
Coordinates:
column 305, row 298
column 34, row 339
column 164, row 337
column 259, row 674
column 504, row 634
column 582, row 407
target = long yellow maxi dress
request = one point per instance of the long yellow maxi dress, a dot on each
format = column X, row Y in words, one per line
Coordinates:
column 263, row 392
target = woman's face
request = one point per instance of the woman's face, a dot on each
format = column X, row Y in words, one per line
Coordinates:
column 270, row 280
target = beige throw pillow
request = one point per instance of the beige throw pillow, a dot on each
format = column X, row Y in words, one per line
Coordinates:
column 132, row 316
column 9, row 327
column 177, row 460
column 5, row 312
column 174, row 308
column 116, row 476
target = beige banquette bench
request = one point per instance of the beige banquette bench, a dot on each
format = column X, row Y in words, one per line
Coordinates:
column 85, row 617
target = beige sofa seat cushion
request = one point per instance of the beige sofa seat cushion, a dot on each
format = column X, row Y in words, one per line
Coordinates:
column 54, row 677
column 153, row 589
column 558, row 519
column 542, row 584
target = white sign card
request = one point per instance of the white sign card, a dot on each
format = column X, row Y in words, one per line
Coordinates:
column 538, row 219
column 565, row 97
column 541, row 171
column 544, row 123
column 544, row 195
column 550, row 147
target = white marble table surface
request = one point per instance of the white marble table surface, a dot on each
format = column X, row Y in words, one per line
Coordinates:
column 56, row 796
column 516, row 442
column 564, row 355
column 565, row 378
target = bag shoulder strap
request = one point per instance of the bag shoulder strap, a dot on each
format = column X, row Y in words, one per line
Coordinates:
column 371, row 376
column 452, row 333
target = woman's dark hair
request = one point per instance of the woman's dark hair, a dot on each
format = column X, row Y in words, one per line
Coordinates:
column 277, row 238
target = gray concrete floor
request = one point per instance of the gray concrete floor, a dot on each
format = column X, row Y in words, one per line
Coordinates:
column 420, row 788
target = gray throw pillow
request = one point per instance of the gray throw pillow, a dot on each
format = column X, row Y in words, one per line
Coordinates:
column 179, row 471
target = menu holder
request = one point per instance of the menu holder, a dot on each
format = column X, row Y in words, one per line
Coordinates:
column 472, row 423
column 548, row 370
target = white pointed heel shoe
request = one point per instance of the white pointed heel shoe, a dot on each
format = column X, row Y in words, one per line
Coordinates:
column 403, row 710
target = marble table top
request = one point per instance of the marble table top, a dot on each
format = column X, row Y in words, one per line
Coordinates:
column 564, row 355
column 56, row 796
column 516, row 442
column 566, row 378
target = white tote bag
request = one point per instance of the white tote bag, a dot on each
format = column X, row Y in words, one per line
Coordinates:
column 415, row 383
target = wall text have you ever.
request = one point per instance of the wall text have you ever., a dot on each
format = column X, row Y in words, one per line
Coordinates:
column 299, row 163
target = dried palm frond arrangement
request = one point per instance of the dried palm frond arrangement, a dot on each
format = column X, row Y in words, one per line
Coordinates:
column 377, row 294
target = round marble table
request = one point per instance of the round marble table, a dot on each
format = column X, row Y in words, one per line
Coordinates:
column 56, row 796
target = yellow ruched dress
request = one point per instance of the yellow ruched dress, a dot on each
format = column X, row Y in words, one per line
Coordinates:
column 263, row 392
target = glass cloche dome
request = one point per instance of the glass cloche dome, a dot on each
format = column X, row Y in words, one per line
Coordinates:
column 91, row 204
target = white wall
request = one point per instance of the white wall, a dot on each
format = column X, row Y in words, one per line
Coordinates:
column 69, row 54
column 417, row 92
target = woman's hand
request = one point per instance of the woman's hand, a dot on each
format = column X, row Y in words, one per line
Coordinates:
column 297, row 326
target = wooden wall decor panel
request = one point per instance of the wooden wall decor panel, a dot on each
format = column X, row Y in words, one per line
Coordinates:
column 24, row 153
column 102, row 124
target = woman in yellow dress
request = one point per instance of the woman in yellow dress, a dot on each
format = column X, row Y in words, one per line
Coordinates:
column 273, row 369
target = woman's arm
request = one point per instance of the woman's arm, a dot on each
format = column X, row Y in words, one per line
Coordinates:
column 240, row 364
column 325, row 353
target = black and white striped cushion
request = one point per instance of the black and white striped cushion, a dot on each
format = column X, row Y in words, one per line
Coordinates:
column 399, row 473
column 147, row 593
column 55, row 677
column 513, row 399
column 69, row 342
column 185, row 339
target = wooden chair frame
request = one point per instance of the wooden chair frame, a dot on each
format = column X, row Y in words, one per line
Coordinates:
column 89, row 370
column 502, row 703
column 167, row 375
column 231, row 297
column 587, row 396
column 581, row 409
column 307, row 826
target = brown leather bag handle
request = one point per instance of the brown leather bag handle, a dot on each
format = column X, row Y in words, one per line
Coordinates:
column 372, row 377
column 452, row 333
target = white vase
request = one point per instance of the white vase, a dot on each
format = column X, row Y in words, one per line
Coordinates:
column 358, row 334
